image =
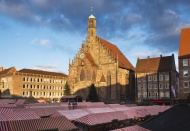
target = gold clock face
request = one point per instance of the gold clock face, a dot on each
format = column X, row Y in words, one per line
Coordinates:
column 82, row 55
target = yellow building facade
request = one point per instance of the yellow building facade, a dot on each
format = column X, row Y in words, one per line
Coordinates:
column 102, row 63
column 35, row 83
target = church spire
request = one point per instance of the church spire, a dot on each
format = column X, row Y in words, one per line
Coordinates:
column 91, row 24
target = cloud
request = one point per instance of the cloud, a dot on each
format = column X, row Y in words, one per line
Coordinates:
column 51, row 67
column 42, row 42
column 45, row 42
column 160, row 20
column 153, row 53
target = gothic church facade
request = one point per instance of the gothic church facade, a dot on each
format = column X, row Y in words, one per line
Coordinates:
column 102, row 63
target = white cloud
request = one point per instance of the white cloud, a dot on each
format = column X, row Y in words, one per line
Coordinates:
column 145, row 54
column 41, row 42
column 45, row 42
column 50, row 67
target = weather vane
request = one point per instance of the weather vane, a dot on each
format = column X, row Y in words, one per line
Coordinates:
column 91, row 9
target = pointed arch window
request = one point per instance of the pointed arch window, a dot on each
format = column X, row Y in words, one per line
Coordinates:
column 93, row 76
column 82, row 75
column 88, row 75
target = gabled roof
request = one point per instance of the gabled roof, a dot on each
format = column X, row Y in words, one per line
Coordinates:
column 89, row 57
column 61, row 123
column 158, row 64
column 8, row 71
column 184, row 46
column 99, row 118
column 41, row 72
column 122, row 60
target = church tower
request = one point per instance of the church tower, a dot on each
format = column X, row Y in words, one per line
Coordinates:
column 91, row 25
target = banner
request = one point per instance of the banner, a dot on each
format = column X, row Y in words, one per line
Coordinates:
column 173, row 90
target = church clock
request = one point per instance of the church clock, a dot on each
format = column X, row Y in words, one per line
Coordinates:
column 82, row 55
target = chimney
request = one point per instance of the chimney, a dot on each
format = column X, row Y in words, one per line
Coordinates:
column 160, row 55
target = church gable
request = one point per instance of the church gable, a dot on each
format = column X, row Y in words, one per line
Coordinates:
column 123, row 62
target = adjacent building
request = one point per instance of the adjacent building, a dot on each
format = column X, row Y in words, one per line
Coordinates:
column 29, row 82
column 184, row 63
column 156, row 78
column 102, row 63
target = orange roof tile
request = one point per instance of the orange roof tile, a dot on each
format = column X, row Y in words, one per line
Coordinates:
column 158, row 64
column 184, row 46
column 123, row 61
column 41, row 72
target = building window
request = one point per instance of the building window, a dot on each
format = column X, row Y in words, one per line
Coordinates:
column 140, row 95
column 185, row 62
column 144, row 78
column 155, row 86
column 161, row 94
column 149, row 78
column 167, row 94
column 88, row 75
column 144, row 86
column 82, row 75
column 138, row 79
column 144, row 94
column 23, row 86
column 161, row 86
column 154, row 78
column 166, row 77
column 23, row 93
column 24, row 79
column 149, row 86
column 186, row 84
column 161, row 77
column 139, row 87
column 185, row 73
column 166, row 86
column 30, row 86
column 149, row 94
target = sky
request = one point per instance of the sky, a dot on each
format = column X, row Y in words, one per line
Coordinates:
column 45, row 34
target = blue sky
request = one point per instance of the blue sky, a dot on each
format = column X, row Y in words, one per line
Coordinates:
column 45, row 34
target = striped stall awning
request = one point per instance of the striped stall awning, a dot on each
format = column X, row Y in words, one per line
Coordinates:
column 132, row 128
column 4, row 126
column 61, row 123
column 6, row 110
column 71, row 114
column 18, row 116
column 99, row 118
column 100, row 110
column 131, row 113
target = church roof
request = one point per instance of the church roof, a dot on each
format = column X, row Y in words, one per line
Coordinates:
column 184, row 46
column 158, row 64
column 91, row 16
column 122, row 60
column 89, row 57
column 41, row 72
